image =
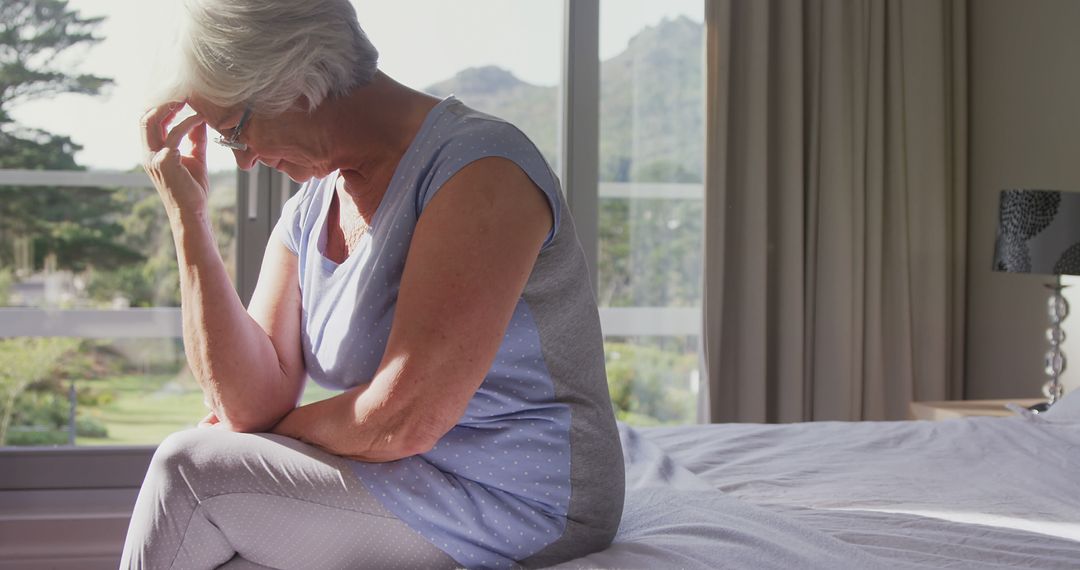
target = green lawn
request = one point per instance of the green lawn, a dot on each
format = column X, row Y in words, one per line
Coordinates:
column 147, row 408
column 647, row 384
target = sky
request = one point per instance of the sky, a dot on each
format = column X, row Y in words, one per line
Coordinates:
column 420, row 42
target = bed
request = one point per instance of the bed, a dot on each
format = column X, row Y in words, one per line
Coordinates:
column 964, row 493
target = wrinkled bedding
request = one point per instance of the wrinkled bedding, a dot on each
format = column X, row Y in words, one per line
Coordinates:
column 965, row 493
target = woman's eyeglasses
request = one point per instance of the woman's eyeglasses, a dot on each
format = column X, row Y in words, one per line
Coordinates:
column 233, row 141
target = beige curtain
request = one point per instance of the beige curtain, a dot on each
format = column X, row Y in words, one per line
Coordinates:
column 835, row 208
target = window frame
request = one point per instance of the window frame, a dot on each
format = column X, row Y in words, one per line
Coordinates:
column 35, row 468
column 261, row 193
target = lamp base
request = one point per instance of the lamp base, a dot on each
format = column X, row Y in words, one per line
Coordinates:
column 1040, row 407
column 1054, row 361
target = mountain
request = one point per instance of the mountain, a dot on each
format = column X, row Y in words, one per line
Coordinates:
column 498, row 92
column 652, row 106
column 652, row 117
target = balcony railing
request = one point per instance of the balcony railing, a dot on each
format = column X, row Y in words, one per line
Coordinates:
column 165, row 322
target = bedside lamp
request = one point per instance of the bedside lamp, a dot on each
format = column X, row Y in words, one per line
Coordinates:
column 1039, row 232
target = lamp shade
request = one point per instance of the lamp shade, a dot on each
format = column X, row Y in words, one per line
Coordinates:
column 1038, row 232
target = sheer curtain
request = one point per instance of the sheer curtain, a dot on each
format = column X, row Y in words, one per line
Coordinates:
column 835, row 208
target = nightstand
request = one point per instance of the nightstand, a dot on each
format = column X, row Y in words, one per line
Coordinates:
column 948, row 410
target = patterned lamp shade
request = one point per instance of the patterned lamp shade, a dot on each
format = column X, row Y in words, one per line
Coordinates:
column 1038, row 232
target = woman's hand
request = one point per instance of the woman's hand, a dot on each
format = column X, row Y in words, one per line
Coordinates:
column 210, row 420
column 182, row 181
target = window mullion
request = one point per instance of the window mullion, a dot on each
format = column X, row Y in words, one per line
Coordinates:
column 256, row 216
column 581, row 122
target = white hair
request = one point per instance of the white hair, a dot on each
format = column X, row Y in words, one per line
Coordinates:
column 269, row 53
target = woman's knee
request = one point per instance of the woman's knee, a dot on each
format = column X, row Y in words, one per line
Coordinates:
column 188, row 451
column 183, row 444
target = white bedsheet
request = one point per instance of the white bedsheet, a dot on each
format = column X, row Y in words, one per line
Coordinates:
column 970, row 493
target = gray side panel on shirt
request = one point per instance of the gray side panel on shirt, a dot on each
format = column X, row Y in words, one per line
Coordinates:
column 563, row 306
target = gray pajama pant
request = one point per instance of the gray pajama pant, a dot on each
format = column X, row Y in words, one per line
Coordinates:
column 213, row 497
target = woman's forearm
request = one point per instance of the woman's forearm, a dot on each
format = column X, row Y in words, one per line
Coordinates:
column 358, row 424
column 229, row 354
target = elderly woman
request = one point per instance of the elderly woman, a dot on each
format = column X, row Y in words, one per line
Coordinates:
column 428, row 269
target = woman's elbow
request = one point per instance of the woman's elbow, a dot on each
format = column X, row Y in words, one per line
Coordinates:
column 420, row 444
column 408, row 444
column 253, row 421
column 242, row 425
column 400, row 444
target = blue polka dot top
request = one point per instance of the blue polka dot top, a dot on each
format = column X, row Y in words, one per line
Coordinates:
column 532, row 473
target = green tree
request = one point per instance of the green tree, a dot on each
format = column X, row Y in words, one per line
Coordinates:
column 33, row 33
column 6, row 281
column 24, row 361
column 154, row 281
column 79, row 231
column 649, row 385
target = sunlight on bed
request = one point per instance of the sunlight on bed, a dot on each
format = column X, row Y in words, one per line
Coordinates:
column 1069, row 530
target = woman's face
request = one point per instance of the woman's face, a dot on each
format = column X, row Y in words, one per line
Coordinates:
column 277, row 142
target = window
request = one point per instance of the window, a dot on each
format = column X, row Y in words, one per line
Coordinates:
column 94, row 257
column 90, row 352
column 650, row 204
column 88, row 279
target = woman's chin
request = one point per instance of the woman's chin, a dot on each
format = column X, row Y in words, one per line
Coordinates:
column 293, row 174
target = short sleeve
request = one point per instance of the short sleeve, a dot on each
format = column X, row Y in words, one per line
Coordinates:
column 289, row 227
column 493, row 138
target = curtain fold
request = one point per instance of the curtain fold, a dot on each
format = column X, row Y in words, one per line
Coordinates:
column 835, row 208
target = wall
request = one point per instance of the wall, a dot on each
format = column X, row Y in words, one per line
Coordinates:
column 1025, row 133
